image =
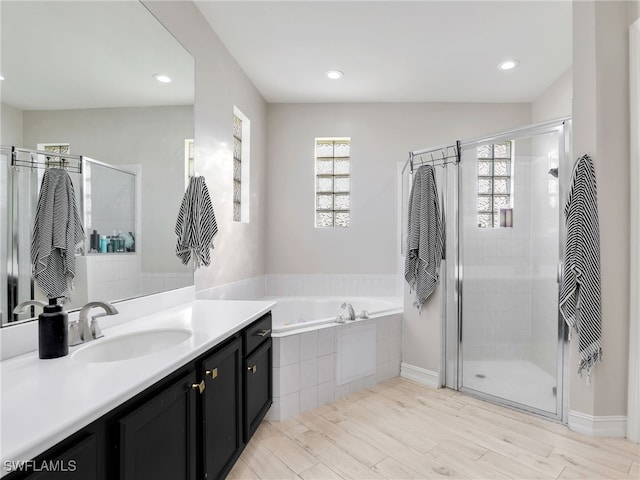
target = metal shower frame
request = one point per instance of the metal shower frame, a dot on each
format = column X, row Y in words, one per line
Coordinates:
column 451, row 356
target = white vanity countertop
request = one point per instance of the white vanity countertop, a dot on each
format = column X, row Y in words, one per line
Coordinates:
column 44, row 401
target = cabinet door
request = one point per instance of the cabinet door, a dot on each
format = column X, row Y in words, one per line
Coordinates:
column 79, row 461
column 222, row 408
column 258, row 388
column 158, row 439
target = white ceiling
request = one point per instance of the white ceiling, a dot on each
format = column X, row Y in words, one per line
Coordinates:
column 89, row 54
column 396, row 51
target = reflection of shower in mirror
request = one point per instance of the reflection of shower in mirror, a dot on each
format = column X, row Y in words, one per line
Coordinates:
column 129, row 125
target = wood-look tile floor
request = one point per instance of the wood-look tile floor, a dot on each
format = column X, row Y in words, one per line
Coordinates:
column 401, row 430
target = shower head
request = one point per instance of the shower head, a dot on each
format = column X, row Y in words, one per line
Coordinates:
column 553, row 172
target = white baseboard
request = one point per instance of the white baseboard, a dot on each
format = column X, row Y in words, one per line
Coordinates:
column 420, row 375
column 601, row 426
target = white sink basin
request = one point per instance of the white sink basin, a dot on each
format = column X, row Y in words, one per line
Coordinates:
column 132, row 345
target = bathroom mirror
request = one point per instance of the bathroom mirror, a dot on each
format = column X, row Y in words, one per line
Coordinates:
column 82, row 76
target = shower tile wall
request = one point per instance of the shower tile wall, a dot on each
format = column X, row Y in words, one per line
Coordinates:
column 510, row 289
column 113, row 202
column 497, row 288
column 545, row 203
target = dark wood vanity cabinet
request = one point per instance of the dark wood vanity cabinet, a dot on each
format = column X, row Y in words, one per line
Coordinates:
column 257, row 387
column 75, row 458
column 158, row 438
column 222, row 403
column 191, row 425
column 258, row 373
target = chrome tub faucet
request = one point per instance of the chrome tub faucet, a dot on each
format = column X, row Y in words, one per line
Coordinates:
column 352, row 313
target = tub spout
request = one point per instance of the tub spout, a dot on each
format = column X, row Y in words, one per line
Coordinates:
column 352, row 313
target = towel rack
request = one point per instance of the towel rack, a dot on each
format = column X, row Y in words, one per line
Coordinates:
column 23, row 157
column 441, row 155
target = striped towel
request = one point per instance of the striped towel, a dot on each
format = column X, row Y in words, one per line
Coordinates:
column 57, row 231
column 196, row 225
column 580, row 290
column 425, row 239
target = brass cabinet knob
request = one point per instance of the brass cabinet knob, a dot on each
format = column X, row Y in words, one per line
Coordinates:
column 198, row 386
column 212, row 373
column 264, row 333
column 252, row 368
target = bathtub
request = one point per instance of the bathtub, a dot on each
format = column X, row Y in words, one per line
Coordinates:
column 317, row 360
column 296, row 314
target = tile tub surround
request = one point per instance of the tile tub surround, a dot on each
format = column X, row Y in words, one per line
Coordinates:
column 304, row 365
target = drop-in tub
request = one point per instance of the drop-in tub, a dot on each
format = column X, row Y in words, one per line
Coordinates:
column 317, row 360
column 293, row 314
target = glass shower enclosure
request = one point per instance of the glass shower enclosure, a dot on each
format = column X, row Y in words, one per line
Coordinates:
column 505, row 339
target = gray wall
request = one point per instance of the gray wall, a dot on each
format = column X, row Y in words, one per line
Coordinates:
column 555, row 101
column 382, row 136
column 220, row 84
column 601, row 128
column 152, row 137
column 422, row 333
column 11, row 126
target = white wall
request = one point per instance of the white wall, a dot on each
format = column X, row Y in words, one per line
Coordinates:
column 555, row 101
column 220, row 84
column 11, row 126
column 601, row 128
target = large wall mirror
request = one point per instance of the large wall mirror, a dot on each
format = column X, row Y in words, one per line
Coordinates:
column 81, row 78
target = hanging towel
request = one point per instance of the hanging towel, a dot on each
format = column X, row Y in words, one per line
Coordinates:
column 57, row 232
column 425, row 239
column 580, row 290
column 196, row 225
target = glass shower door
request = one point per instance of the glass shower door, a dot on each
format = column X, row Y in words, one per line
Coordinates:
column 511, row 343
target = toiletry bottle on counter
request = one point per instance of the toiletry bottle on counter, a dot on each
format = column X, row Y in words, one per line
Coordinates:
column 94, row 242
column 103, row 244
column 53, row 331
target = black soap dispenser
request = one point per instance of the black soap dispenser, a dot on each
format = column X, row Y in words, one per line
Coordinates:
column 53, row 333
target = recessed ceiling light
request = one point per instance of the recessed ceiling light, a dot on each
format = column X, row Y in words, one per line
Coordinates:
column 162, row 78
column 508, row 64
column 334, row 74
column 1, row 78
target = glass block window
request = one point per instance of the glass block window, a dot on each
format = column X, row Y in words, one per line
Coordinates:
column 54, row 161
column 494, row 182
column 333, row 182
column 237, row 168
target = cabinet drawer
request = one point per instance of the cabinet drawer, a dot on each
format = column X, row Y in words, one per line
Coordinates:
column 258, row 387
column 257, row 333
